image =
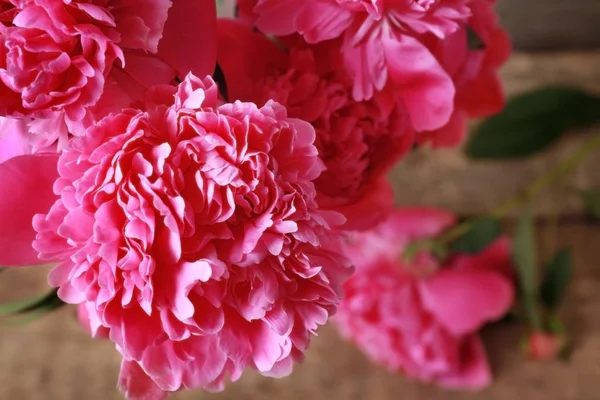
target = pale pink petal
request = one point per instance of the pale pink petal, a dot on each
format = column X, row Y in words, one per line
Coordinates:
column 189, row 38
column 464, row 300
column 14, row 138
column 25, row 190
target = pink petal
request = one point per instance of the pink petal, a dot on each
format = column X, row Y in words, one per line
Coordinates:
column 14, row 138
column 373, row 207
column 474, row 373
column 90, row 322
column 25, row 190
column 450, row 135
column 314, row 19
column 148, row 70
column 136, row 385
column 466, row 299
column 277, row 17
column 482, row 96
column 496, row 257
column 426, row 88
column 189, row 42
column 419, row 222
column 238, row 43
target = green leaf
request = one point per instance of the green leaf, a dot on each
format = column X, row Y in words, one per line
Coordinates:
column 34, row 303
column 533, row 121
column 483, row 232
column 591, row 199
column 524, row 253
column 30, row 310
column 558, row 275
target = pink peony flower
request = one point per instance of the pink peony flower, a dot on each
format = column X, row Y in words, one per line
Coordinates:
column 191, row 232
column 378, row 37
column 359, row 141
column 474, row 72
column 57, row 56
column 421, row 318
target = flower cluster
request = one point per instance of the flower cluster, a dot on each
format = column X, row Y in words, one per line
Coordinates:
column 195, row 181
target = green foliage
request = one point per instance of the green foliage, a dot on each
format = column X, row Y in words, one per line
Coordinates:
column 483, row 232
column 557, row 277
column 25, row 311
column 524, row 253
column 533, row 121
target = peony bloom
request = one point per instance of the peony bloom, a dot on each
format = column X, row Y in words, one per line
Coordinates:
column 190, row 231
column 359, row 141
column 421, row 318
column 472, row 56
column 58, row 56
column 377, row 38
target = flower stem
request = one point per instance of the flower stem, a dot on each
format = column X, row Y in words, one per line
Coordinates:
column 556, row 173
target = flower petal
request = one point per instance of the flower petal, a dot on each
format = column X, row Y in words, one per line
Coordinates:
column 464, row 300
column 136, row 385
column 427, row 90
column 475, row 371
column 25, row 190
column 238, row 43
column 189, row 42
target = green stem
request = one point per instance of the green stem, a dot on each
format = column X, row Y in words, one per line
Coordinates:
column 556, row 173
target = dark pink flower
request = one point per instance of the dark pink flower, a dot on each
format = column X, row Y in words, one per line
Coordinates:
column 474, row 71
column 359, row 141
column 192, row 233
column 378, row 37
column 421, row 318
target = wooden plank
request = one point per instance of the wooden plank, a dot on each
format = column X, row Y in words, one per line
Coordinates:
column 52, row 359
column 551, row 24
column 447, row 178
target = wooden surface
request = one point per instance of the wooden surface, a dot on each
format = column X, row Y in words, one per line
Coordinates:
column 551, row 24
column 52, row 359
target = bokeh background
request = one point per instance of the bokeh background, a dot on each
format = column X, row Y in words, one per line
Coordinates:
column 556, row 42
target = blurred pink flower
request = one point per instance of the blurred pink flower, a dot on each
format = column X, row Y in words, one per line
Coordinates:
column 474, row 71
column 359, row 141
column 543, row 346
column 422, row 318
column 378, row 37
column 191, row 232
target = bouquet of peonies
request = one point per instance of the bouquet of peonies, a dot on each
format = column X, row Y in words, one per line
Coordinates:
column 211, row 190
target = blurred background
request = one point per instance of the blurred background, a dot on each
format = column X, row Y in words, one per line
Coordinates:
column 556, row 41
